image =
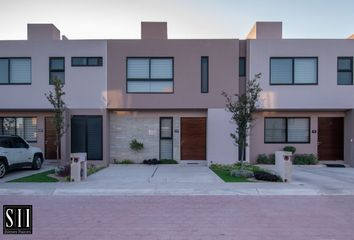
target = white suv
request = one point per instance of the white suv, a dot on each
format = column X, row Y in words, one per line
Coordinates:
column 15, row 152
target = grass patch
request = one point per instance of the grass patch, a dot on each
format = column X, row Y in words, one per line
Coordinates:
column 223, row 171
column 38, row 177
column 93, row 169
column 125, row 161
column 168, row 161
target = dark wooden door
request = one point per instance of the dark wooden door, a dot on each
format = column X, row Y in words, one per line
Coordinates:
column 50, row 151
column 330, row 138
column 193, row 138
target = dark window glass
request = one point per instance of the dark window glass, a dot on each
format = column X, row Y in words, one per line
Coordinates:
column 86, row 61
column 86, row 136
column 275, row 130
column 25, row 127
column 56, row 69
column 15, row 71
column 78, row 61
column 4, row 71
column 345, row 71
column 242, row 66
column 293, row 70
column 149, row 75
column 94, row 61
column 166, row 138
column 4, row 142
column 18, row 143
column 287, row 130
column 205, row 74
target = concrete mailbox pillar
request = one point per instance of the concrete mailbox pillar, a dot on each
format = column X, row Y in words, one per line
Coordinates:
column 284, row 165
column 78, row 167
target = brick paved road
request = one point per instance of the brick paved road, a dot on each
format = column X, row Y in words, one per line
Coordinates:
column 199, row 217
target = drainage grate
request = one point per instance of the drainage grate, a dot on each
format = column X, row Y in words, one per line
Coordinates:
column 335, row 165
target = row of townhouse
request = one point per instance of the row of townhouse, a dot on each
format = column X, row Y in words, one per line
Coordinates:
column 166, row 93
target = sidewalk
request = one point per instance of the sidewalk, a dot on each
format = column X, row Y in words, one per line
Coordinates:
column 138, row 180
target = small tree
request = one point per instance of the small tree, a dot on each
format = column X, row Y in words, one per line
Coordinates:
column 56, row 100
column 242, row 107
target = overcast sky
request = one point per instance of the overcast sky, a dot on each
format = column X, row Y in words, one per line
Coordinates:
column 104, row 19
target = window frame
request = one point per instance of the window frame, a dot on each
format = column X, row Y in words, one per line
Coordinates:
column 239, row 67
column 55, row 70
column 150, row 79
column 16, row 117
column 350, row 71
column 286, row 130
column 293, row 71
column 201, row 74
column 165, row 138
column 100, row 62
column 9, row 70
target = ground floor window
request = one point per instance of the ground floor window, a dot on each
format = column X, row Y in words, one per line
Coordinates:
column 86, row 136
column 25, row 127
column 287, row 130
column 166, row 138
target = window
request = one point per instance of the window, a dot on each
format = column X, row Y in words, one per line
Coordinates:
column 292, row 71
column 15, row 71
column 345, row 71
column 150, row 75
column 86, row 136
column 205, row 74
column 25, row 127
column 86, row 61
column 242, row 67
column 166, row 138
column 56, row 69
column 287, row 130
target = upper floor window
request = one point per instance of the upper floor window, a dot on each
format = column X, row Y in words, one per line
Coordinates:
column 287, row 130
column 345, row 71
column 205, row 74
column 292, row 71
column 86, row 61
column 242, row 67
column 149, row 75
column 56, row 69
column 15, row 71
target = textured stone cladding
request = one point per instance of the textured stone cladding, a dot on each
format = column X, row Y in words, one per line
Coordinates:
column 145, row 128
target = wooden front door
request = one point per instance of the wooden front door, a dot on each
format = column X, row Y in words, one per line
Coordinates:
column 330, row 138
column 50, row 151
column 193, row 138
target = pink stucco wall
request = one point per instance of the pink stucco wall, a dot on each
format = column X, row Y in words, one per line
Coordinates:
column 326, row 95
column 85, row 87
column 257, row 145
column 223, row 72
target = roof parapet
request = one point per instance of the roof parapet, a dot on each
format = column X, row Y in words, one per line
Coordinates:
column 42, row 32
column 153, row 30
column 266, row 30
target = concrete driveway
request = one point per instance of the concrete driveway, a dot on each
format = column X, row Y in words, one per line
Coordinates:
column 183, row 180
column 19, row 173
column 321, row 177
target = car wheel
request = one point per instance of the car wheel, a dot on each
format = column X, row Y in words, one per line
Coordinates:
column 2, row 169
column 37, row 162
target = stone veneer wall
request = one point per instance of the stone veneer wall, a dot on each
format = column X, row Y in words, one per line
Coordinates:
column 144, row 126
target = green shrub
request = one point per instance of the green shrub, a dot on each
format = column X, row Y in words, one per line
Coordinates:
column 289, row 149
column 125, row 161
column 305, row 159
column 264, row 159
column 266, row 176
column 135, row 145
column 167, row 161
